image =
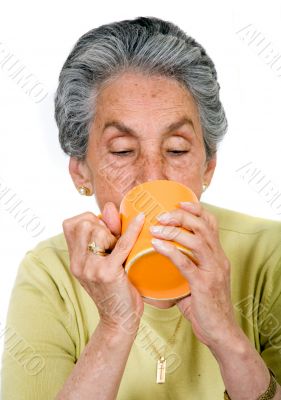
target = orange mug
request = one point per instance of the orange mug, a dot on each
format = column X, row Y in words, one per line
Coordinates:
column 152, row 273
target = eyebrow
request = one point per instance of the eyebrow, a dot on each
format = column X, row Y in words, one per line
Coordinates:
column 126, row 129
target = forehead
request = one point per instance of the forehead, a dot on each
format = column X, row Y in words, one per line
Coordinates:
column 145, row 106
column 134, row 92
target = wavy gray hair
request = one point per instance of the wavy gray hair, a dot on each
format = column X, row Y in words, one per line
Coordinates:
column 146, row 44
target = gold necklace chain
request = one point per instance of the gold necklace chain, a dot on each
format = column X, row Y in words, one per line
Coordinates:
column 161, row 362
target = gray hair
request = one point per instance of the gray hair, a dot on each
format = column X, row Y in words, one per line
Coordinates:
column 146, row 44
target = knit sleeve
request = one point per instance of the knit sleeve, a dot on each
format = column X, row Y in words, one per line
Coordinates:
column 39, row 346
column 270, row 322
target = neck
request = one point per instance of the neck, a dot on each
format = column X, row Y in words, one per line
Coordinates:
column 160, row 303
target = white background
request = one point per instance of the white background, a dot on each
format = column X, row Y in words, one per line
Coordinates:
column 32, row 166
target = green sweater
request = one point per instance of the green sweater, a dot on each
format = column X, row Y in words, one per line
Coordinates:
column 51, row 318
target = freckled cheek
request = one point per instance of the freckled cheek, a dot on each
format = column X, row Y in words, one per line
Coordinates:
column 116, row 176
column 189, row 173
column 109, row 187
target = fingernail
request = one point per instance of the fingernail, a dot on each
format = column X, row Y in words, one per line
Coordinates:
column 101, row 222
column 187, row 204
column 156, row 229
column 140, row 217
column 164, row 217
column 159, row 243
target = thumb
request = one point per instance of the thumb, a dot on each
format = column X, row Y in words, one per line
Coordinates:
column 184, row 305
column 126, row 242
column 111, row 217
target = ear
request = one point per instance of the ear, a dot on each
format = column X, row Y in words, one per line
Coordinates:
column 80, row 173
column 209, row 170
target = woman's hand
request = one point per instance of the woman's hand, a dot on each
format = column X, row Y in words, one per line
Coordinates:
column 209, row 306
column 103, row 277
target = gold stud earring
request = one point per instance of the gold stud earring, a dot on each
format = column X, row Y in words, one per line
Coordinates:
column 204, row 187
column 84, row 191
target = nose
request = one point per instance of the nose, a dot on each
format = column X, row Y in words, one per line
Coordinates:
column 151, row 167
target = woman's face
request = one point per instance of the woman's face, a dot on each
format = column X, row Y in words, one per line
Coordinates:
column 145, row 128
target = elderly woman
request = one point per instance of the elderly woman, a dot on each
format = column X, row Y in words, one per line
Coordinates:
column 138, row 100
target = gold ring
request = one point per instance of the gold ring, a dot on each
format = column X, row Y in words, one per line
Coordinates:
column 93, row 248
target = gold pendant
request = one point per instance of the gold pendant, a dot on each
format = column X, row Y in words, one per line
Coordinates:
column 161, row 370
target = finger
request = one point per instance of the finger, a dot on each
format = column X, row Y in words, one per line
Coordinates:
column 77, row 254
column 111, row 217
column 195, row 208
column 85, row 233
column 184, row 304
column 101, row 222
column 185, row 265
column 126, row 242
column 198, row 210
column 195, row 243
column 103, row 238
column 189, row 222
column 85, row 215
column 69, row 226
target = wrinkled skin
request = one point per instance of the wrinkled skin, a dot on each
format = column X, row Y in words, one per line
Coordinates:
column 153, row 122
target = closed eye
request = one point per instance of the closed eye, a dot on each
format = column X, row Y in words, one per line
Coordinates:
column 122, row 153
column 128, row 152
column 177, row 152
